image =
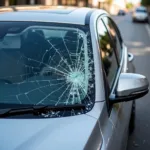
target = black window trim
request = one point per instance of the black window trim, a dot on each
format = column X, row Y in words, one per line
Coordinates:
column 118, row 34
column 113, row 89
column 117, row 30
column 118, row 64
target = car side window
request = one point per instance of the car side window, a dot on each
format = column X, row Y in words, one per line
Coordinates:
column 107, row 52
column 115, row 35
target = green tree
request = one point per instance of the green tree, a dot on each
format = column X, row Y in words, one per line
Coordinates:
column 86, row 3
column 110, row 2
column 129, row 5
column 145, row 2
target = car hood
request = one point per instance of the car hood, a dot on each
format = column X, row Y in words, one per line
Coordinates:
column 47, row 134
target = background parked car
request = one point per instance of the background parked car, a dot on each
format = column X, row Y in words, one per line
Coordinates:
column 140, row 14
column 121, row 13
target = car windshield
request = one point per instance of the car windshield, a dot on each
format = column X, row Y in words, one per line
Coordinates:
column 141, row 10
column 45, row 64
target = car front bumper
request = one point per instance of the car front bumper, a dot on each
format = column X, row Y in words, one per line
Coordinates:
column 140, row 19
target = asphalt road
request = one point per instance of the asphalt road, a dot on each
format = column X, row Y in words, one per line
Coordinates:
column 137, row 37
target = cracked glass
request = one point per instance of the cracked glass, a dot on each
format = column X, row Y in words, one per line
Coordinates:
column 46, row 64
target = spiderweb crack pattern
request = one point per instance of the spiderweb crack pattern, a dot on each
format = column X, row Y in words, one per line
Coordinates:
column 63, row 75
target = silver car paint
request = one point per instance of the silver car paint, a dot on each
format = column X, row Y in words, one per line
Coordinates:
column 71, row 18
column 49, row 134
column 92, row 131
column 114, row 127
column 133, row 81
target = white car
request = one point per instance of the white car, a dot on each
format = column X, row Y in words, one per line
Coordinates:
column 66, row 81
column 140, row 14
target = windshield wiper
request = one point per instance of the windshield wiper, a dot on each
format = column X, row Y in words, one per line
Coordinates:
column 37, row 110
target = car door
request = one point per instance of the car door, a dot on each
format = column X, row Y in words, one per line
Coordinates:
column 114, row 61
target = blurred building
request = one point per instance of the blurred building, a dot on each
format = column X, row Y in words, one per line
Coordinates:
column 117, row 5
column 18, row 2
column 109, row 5
column 88, row 3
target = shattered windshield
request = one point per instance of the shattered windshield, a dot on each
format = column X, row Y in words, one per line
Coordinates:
column 45, row 64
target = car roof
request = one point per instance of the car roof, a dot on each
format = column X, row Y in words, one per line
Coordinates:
column 71, row 15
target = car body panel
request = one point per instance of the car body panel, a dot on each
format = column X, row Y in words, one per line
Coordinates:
column 117, row 123
column 99, row 94
column 140, row 16
column 38, row 16
column 98, row 129
column 58, row 133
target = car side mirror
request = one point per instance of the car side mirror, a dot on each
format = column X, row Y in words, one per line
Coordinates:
column 130, row 57
column 130, row 87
